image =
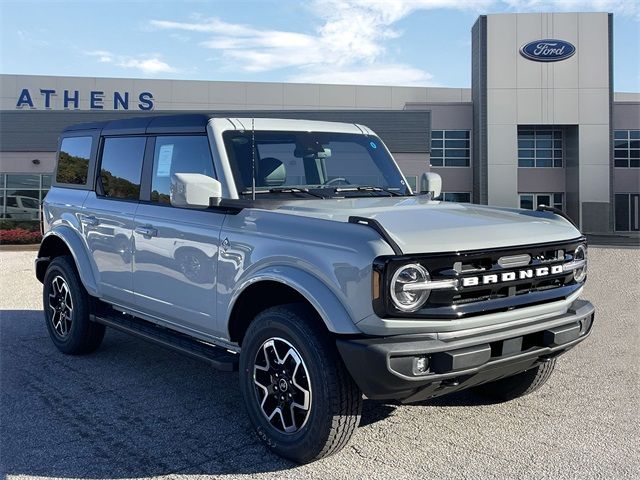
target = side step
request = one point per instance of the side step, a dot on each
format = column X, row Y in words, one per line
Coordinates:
column 219, row 357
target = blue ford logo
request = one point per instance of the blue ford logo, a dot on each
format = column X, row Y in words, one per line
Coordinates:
column 547, row 50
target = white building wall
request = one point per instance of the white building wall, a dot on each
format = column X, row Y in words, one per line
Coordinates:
column 574, row 91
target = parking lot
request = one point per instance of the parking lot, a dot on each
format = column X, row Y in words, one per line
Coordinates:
column 135, row 410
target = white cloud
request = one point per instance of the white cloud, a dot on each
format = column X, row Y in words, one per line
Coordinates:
column 151, row 64
column 349, row 43
column 620, row 7
column 27, row 38
column 377, row 74
column 347, row 46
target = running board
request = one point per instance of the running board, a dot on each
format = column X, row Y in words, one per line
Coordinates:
column 219, row 357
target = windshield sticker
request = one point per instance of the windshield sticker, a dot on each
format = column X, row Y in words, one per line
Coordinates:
column 373, row 145
column 164, row 160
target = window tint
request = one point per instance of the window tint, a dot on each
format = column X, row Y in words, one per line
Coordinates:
column 538, row 147
column 459, row 197
column 22, row 204
column 412, row 181
column 23, row 181
column 626, row 151
column 454, row 151
column 316, row 160
column 534, row 200
column 121, row 167
column 178, row 154
column 73, row 160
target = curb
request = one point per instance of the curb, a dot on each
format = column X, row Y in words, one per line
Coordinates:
column 20, row 248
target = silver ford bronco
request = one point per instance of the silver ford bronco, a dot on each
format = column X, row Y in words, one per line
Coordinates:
column 295, row 252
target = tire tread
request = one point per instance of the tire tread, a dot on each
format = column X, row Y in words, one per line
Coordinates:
column 86, row 336
column 345, row 403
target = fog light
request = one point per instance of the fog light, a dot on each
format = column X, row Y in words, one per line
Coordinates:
column 420, row 365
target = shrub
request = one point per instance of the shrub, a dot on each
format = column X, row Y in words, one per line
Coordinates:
column 19, row 236
column 10, row 224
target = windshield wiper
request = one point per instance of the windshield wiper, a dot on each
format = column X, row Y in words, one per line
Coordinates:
column 285, row 190
column 367, row 188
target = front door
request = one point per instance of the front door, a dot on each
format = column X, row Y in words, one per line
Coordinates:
column 176, row 249
column 634, row 208
column 627, row 212
column 108, row 213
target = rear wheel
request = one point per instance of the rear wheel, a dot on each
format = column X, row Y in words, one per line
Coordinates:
column 518, row 385
column 298, row 394
column 66, row 309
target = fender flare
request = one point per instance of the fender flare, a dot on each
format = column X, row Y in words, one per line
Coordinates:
column 330, row 309
column 78, row 250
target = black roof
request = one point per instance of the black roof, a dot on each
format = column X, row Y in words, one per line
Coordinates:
column 185, row 123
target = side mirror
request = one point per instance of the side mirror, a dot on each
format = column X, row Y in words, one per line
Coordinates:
column 193, row 190
column 431, row 183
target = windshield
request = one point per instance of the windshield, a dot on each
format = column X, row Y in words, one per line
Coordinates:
column 314, row 163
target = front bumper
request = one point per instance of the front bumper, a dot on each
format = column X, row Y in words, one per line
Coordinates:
column 383, row 367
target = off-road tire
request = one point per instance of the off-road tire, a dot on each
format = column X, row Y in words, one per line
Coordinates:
column 83, row 336
column 336, row 401
column 518, row 385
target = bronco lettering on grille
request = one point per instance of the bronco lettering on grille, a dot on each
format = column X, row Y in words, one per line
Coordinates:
column 511, row 276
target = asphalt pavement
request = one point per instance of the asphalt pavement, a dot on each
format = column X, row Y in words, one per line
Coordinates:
column 136, row 410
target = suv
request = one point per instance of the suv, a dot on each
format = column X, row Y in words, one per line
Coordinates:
column 295, row 252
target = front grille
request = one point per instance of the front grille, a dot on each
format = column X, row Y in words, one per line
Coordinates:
column 488, row 293
column 469, row 300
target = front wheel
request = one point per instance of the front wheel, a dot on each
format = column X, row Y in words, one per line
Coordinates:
column 299, row 396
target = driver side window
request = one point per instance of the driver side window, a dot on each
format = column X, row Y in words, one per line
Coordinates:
column 178, row 154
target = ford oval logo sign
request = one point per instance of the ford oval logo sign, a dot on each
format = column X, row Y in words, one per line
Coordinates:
column 547, row 50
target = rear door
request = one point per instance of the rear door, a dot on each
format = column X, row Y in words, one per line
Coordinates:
column 108, row 215
column 176, row 249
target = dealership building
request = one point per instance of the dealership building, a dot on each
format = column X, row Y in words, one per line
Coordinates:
column 540, row 123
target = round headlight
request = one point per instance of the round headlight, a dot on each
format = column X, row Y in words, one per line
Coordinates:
column 580, row 253
column 409, row 300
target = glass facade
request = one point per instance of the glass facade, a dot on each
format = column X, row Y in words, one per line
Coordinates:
column 460, row 197
column 21, row 195
column 540, row 147
column 626, row 148
column 627, row 212
column 450, row 148
column 412, row 181
column 531, row 201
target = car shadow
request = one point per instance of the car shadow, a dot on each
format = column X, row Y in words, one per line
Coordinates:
column 377, row 410
column 131, row 409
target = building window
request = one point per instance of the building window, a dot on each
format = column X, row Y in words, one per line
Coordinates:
column 539, row 147
column 21, row 195
column 626, row 212
column 532, row 201
column 450, row 148
column 626, row 148
column 412, row 181
column 460, row 197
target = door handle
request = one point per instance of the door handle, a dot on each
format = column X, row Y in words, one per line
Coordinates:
column 91, row 221
column 146, row 231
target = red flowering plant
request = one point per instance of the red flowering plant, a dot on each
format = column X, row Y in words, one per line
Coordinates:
column 19, row 236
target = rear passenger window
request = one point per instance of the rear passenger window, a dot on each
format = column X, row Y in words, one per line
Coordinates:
column 73, row 160
column 178, row 154
column 121, row 167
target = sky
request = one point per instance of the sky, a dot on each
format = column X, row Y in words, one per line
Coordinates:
column 378, row 42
